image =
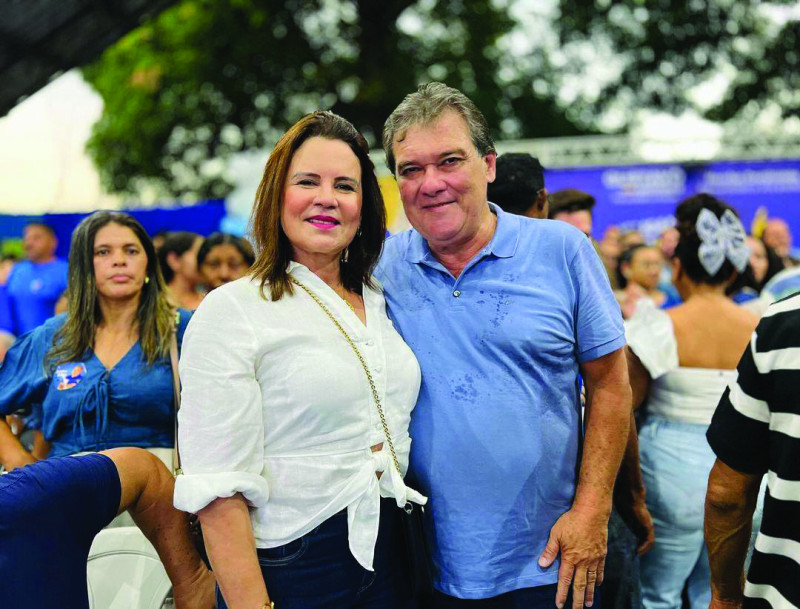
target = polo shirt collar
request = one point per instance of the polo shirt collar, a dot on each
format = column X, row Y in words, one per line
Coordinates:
column 506, row 235
column 502, row 245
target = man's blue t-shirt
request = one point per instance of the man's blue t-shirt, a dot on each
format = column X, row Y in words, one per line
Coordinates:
column 496, row 432
column 33, row 290
column 6, row 318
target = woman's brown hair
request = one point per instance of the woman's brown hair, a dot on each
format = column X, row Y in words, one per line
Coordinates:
column 155, row 317
column 274, row 251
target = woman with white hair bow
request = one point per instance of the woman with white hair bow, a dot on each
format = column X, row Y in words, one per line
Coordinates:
column 680, row 362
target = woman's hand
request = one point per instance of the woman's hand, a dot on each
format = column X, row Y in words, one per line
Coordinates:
column 631, row 297
column 638, row 519
column 196, row 594
column 21, row 460
column 12, row 453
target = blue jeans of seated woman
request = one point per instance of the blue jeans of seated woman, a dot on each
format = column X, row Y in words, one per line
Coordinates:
column 676, row 460
column 318, row 570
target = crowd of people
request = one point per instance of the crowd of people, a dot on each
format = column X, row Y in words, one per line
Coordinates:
column 561, row 412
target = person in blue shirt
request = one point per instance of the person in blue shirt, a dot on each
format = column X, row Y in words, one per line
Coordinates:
column 35, row 285
column 6, row 317
column 99, row 376
column 502, row 312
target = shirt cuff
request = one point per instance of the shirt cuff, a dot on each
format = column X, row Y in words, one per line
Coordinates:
column 601, row 350
column 193, row 492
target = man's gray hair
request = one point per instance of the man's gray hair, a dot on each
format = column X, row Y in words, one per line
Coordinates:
column 424, row 107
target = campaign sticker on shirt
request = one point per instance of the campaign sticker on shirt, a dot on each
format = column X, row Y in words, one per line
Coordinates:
column 70, row 374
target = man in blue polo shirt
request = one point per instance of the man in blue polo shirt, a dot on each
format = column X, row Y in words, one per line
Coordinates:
column 503, row 313
column 35, row 284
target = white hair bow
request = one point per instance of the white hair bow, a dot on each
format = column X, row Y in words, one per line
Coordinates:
column 721, row 238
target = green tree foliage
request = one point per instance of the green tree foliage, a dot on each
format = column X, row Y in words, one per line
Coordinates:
column 668, row 51
column 208, row 78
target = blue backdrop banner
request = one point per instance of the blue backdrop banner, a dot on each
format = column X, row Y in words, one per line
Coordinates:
column 644, row 197
column 203, row 218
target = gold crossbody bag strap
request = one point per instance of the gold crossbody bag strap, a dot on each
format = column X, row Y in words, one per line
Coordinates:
column 176, row 392
column 361, row 359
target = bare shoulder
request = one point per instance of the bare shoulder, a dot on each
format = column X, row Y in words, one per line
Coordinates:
column 745, row 320
column 711, row 334
column 712, row 314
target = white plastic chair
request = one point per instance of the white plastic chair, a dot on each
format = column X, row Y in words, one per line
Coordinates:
column 124, row 571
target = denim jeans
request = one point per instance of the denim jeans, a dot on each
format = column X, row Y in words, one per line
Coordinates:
column 318, row 571
column 676, row 460
column 541, row 597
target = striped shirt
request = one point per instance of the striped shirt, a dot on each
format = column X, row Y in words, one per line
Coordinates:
column 756, row 430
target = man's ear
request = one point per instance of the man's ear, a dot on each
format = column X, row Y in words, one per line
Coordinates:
column 491, row 166
column 542, row 203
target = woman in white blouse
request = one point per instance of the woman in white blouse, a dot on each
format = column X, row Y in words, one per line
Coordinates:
column 284, row 455
column 680, row 361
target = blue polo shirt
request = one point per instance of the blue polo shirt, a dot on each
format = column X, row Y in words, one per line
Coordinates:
column 34, row 290
column 496, row 432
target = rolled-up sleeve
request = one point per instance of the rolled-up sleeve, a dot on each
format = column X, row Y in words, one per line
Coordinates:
column 221, row 419
column 23, row 381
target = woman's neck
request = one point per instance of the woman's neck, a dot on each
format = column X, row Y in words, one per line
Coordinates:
column 119, row 316
column 181, row 286
column 328, row 269
column 703, row 290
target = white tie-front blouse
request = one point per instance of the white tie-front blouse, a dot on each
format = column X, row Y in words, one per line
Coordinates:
column 275, row 405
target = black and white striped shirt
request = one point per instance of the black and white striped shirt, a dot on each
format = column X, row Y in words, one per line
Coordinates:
column 756, row 430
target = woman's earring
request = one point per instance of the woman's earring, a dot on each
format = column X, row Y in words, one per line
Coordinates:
column 345, row 255
column 147, row 279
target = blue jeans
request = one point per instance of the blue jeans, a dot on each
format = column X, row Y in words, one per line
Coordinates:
column 318, row 571
column 541, row 597
column 676, row 460
column 49, row 514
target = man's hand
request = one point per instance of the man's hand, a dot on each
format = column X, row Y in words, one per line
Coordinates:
column 582, row 539
column 720, row 604
column 638, row 519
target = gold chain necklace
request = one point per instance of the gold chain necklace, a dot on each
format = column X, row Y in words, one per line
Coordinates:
column 347, row 302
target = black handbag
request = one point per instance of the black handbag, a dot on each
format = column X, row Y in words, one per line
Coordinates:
column 418, row 558
column 195, row 530
column 419, row 564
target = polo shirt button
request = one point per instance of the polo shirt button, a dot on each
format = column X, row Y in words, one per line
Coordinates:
column 370, row 342
column 456, row 293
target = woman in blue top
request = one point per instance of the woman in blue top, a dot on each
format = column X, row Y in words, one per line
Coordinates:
column 98, row 376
